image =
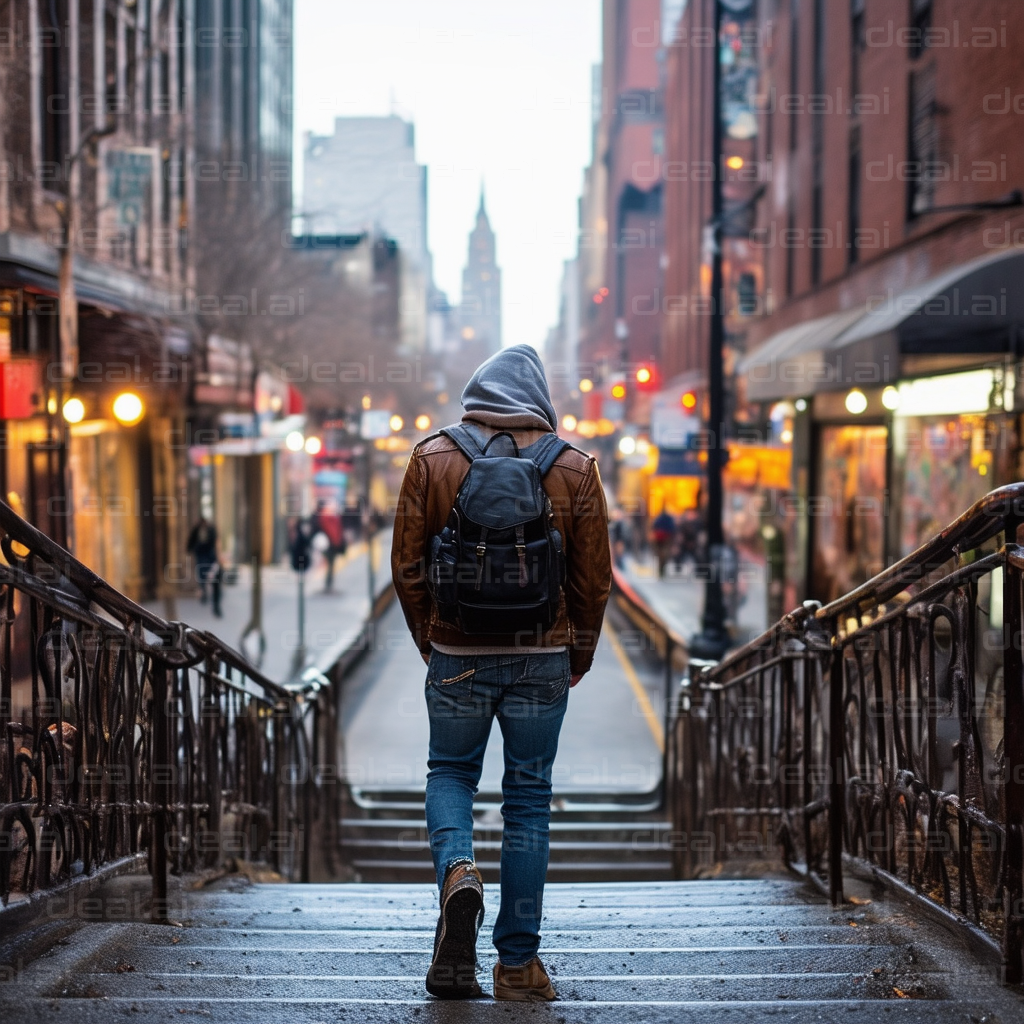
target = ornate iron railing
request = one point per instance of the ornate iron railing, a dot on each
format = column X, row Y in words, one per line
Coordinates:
column 884, row 731
column 146, row 737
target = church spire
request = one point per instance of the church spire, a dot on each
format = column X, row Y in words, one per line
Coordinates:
column 482, row 212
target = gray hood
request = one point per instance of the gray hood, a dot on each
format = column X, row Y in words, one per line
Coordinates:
column 510, row 391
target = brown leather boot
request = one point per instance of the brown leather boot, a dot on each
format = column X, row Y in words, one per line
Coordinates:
column 529, row 983
column 452, row 973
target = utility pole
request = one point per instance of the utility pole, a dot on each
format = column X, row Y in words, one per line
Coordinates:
column 67, row 210
column 713, row 639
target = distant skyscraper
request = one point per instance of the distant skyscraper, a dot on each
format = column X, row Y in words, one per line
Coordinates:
column 480, row 312
column 365, row 178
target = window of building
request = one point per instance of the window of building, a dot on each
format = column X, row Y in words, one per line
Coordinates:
column 923, row 143
column 53, row 84
column 853, row 196
column 746, row 294
column 110, row 61
column 858, row 44
column 920, row 23
column 794, row 89
column 818, row 144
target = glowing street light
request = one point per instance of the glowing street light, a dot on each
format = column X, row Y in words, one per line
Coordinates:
column 856, row 402
column 295, row 442
column 423, row 422
column 396, row 423
column 314, row 445
column 569, row 422
column 891, row 398
column 586, row 385
column 627, row 445
column 74, row 410
column 128, row 408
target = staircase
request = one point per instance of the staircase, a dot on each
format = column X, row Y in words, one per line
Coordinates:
column 594, row 838
column 712, row 951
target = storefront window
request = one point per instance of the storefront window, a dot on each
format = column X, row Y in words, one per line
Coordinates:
column 949, row 462
column 848, row 513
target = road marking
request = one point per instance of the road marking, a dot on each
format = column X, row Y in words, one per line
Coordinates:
column 646, row 708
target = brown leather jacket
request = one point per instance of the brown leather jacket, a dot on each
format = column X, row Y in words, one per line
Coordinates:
column 573, row 484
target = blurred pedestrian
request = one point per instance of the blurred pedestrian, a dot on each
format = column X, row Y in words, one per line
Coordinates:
column 663, row 532
column 329, row 524
column 489, row 654
column 202, row 546
column 300, row 546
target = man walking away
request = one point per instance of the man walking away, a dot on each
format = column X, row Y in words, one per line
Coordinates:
column 506, row 602
column 202, row 546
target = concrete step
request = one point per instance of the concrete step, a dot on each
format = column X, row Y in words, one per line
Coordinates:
column 622, row 831
column 582, row 806
column 740, row 952
column 384, row 870
column 560, row 850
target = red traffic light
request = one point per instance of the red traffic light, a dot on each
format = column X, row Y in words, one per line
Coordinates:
column 646, row 376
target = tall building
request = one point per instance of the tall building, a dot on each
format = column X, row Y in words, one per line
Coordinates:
column 621, row 220
column 365, row 179
column 481, row 288
column 161, row 126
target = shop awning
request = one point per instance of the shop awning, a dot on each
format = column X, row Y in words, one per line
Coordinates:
column 974, row 309
column 27, row 261
column 794, row 358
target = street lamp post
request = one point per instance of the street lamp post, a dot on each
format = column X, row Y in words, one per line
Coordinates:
column 713, row 639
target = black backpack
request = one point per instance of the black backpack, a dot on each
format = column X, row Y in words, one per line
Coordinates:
column 498, row 566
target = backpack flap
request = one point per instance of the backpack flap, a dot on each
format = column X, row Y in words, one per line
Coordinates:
column 501, row 493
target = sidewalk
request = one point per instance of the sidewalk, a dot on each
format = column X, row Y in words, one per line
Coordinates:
column 332, row 619
column 678, row 597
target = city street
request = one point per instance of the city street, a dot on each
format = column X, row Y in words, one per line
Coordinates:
column 678, row 597
column 333, row 618
column 516, row 290
column 610, row 741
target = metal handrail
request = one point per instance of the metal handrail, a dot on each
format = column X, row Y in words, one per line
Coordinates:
column 883, row 731
column 146, row 737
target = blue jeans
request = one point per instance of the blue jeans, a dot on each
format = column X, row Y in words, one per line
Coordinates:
column 529, row 694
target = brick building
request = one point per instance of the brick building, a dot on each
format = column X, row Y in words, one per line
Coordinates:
column 883, row 337
column 621, row 211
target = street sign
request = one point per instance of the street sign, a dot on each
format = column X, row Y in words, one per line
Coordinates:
column 375, row 424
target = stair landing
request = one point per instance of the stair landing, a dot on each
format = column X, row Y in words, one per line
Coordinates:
column 706, row 951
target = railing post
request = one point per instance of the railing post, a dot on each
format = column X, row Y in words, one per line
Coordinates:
column 837, row 781
column 211, row 726
column 161, row 782
column 667, row 718
column 1013, row 765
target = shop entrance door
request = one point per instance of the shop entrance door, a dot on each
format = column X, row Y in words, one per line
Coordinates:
column 847, row 512
column 46, row 502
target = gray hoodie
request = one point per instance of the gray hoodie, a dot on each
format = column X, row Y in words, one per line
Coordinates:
column 509, row 391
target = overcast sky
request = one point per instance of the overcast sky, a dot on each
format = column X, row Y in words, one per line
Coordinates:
column 496, row 90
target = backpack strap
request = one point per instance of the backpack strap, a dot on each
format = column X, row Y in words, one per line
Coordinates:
column 464, row 440
column 545, row 451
